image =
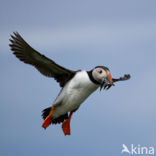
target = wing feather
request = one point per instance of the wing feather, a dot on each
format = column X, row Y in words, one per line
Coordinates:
column 24, row 52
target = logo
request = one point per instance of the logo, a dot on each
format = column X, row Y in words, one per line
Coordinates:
column 142, row 150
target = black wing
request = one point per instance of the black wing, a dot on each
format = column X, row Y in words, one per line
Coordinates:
column 24, row 52
column 126, row 77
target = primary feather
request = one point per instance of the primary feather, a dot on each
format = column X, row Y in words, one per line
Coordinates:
column 23, row 51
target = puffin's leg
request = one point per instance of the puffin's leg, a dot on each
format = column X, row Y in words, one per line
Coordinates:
column 66, row 125
column 47, row 121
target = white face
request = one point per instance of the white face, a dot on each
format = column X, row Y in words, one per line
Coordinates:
column 99, row 74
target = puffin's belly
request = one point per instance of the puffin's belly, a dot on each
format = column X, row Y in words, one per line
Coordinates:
column 71, row 102
column 73, row 94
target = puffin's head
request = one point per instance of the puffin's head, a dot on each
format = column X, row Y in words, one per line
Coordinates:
column 102, row 75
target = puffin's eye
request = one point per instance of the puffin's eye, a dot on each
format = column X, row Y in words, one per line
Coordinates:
column 100, row 71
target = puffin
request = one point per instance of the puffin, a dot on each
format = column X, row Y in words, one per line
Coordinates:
column 76, row 85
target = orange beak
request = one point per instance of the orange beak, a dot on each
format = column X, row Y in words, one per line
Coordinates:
column 110, row 78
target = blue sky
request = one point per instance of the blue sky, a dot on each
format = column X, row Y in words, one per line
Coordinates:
column 79, row 35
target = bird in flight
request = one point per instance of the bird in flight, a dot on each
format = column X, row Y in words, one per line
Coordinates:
column 76, row 85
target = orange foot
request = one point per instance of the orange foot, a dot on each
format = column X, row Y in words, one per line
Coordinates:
column 48, row 119
column 66, row 125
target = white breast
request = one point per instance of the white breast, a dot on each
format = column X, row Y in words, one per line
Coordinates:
column 74, row 93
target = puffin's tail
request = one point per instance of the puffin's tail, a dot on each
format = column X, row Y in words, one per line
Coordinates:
column 46, row 112
column 47, row 116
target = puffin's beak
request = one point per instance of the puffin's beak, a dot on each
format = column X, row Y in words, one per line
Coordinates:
column 109, row 78
column 107, row 81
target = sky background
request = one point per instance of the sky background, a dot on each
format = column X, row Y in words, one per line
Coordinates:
column 119, row 34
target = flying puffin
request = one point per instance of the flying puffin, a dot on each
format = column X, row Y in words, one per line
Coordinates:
column 76, row 85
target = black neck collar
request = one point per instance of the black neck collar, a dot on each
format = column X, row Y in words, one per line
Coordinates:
column 91, row 77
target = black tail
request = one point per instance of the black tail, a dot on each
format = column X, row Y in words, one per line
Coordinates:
column 60, row 119
column 46, row 112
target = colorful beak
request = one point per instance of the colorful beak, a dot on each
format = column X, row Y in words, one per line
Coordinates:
column 107, row 82
column 109, row 78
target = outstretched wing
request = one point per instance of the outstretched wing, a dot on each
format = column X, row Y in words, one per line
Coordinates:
column 126, row 77
column 24, row 52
